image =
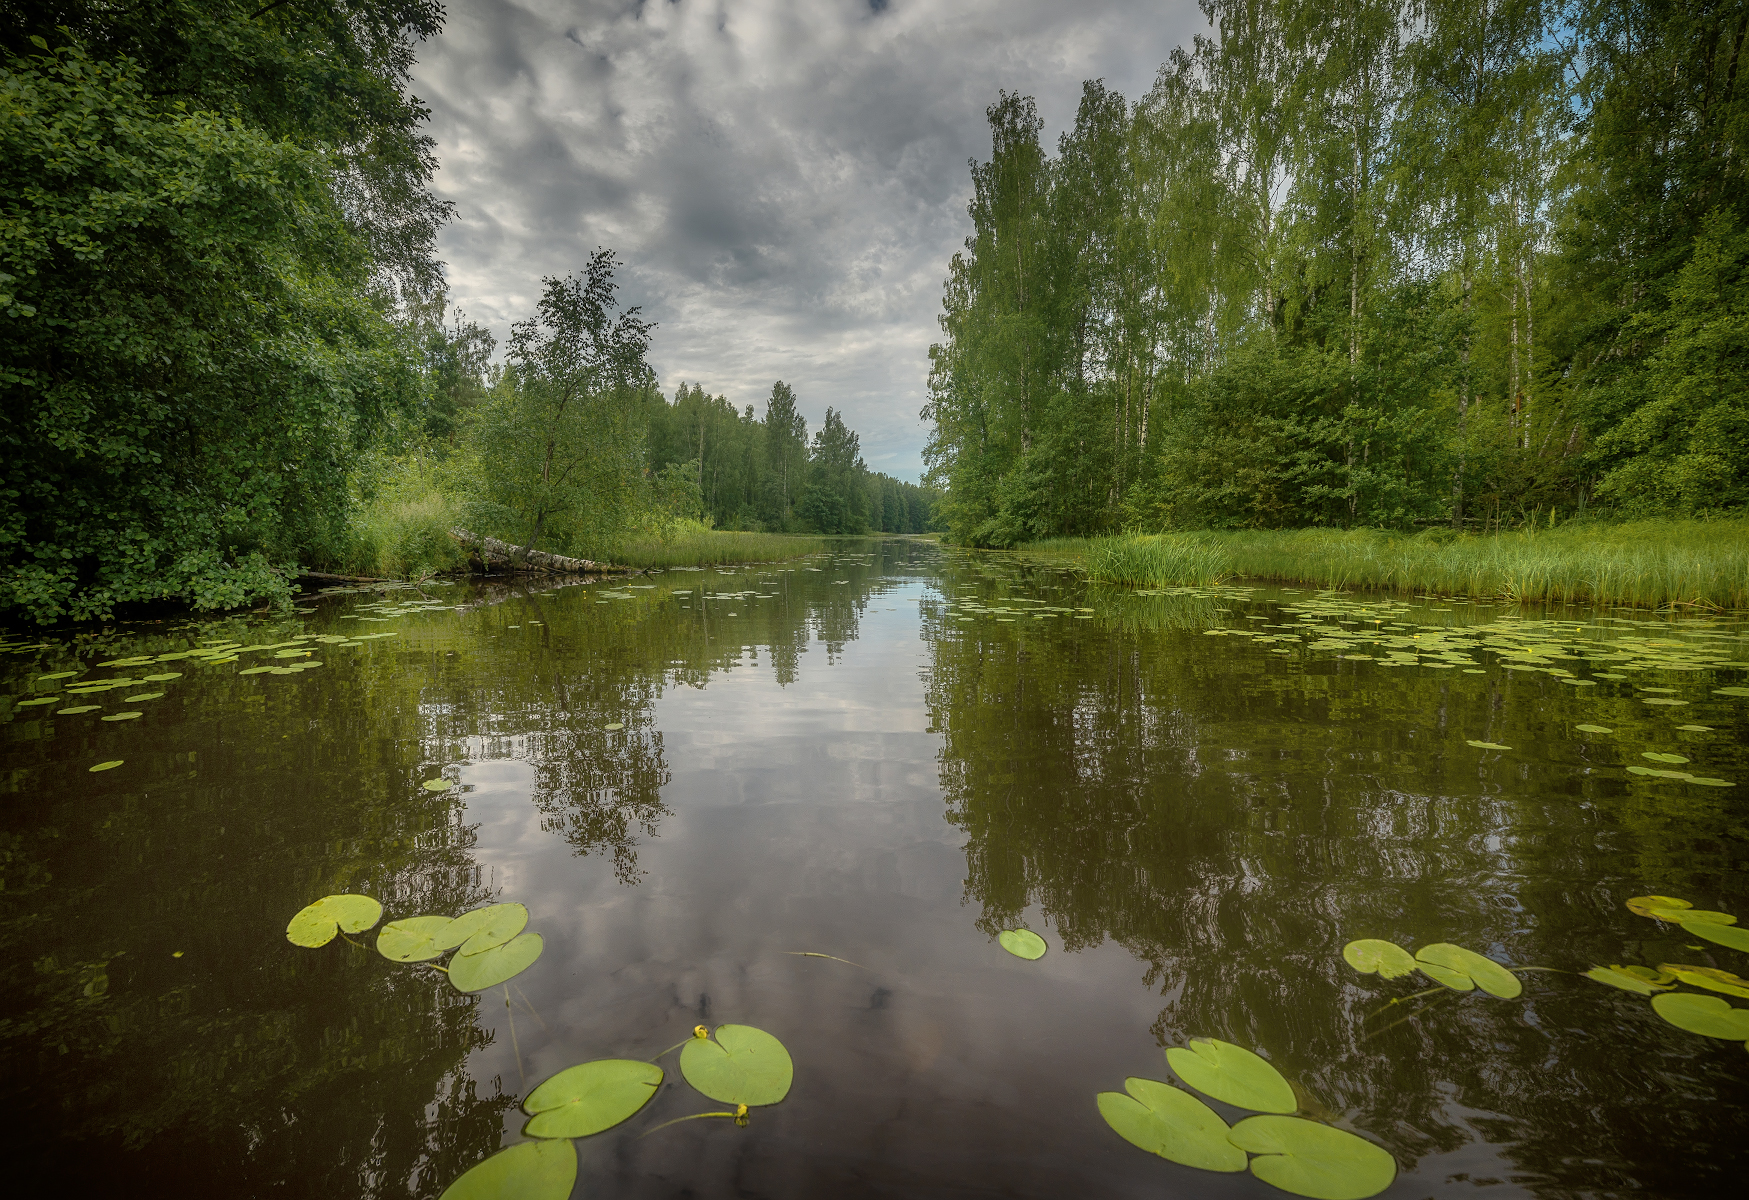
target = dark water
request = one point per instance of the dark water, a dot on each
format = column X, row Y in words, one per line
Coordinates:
column 859, row 756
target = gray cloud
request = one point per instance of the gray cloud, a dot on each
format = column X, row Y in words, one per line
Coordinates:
column 784, row 179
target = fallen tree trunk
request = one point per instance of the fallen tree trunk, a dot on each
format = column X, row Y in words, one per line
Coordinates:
column 491, row 555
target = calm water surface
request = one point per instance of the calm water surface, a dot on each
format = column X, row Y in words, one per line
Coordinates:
column 889, row 754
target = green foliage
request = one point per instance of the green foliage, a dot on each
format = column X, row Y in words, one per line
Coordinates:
column 690, row 544
column 743, row 1065
column 832, row 502
column 399, row 524
column 585, row 1099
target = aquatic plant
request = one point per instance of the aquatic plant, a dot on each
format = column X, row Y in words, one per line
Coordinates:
column 317, row 924
column 591, row 1097
column 1022, row 943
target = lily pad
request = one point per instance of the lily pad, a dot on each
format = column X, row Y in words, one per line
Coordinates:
column 1630, row 979
column 1733, row 936
column 1705, row 1015
column 493, row 925
column 1594, row 728
column 411, row 939
column 1309, row 1159
column 590, row 1097
column 1172, row 1123
column 316, row 924
column 1650, row 906
column 1487, row 745
column 142, row 697
column 1374, row 954
column 1232, row 1074
column 437, row 785
column 614, row 725
column 1656, row 756
column 489, row 968
column 1708, row 977
column 107, row 766
column 743, row 1065
column 1660, row 700
column 1731, row 691
column 121, row 716
column 1022, row 943
column 544, row 1170
column 77, row 709
column 1489, row 975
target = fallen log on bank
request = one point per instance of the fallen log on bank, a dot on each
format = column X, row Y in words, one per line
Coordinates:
column 489, row 555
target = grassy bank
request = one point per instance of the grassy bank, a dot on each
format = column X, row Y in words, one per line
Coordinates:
column 709, row 547
column 1645, row 563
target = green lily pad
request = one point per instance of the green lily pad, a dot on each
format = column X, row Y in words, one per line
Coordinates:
column 1685, row 916
column 1022, row 943
column 316, row 924
column 1627, row 979
column 107, row 766
column 544, row 1170
column 144, row 696
column 1660, row 700
column 1705, row 1015
column 1696, row 728
column 1489, row 975
column 489, row 968
column 1731, row 691
column 437, row 785
column 39, row 700
column 743, row 1065
column 163, row 677
column 77, row 709
column 1374, row 954
column 614, row 725
column 411, row 939
column 493, row 925
column 1487, row 745
column 1710, row 978
column 1733, row 936
column 1656, row 756
column 121, row 716
column 1309, row 1159
column 1232, row 1074
column 1594, row 728
column 1172, row 1123
column 1650, row 906
column 58, row 675
column 590, row 1097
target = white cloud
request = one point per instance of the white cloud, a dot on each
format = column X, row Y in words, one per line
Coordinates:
column 784, row 179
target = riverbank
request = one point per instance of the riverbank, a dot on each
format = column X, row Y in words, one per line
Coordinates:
column 1650, row 564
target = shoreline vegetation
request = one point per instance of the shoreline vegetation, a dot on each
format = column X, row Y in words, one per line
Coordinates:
column 1644, row 564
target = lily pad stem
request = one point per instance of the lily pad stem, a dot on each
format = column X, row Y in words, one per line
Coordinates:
column 833, row 957
column 671, row 1050
column 1406, row 999
column 678, row 1120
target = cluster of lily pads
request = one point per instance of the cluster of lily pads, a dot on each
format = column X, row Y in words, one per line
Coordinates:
column 1709, row 1016
column 738, row 1065
column 1293, row 1153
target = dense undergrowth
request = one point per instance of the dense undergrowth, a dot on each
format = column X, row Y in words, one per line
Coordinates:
column 1650, row 563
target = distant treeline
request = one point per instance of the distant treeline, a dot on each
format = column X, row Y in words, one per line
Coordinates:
column 1377, row 262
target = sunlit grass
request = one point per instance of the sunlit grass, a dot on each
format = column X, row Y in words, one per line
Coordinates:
column 1646, row 563
column 708, row 547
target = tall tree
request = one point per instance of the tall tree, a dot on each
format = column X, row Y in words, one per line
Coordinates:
column 786, row 453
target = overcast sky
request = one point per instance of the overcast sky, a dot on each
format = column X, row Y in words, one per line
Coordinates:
column 784, row 180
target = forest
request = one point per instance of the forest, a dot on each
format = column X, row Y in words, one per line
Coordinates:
column 1402, row 264
column 227, row 353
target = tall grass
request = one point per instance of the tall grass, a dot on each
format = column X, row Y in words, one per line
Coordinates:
column 701, row 547
column 400, row 528
column 1646, row 563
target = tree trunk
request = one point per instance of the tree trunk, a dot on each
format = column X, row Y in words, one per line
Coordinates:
column 490, row 554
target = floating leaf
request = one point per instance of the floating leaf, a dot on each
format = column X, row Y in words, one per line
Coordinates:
column 39, row 700
column 1696, row 728
column 1489, row 975
column 1731, row 691
column 1705, row 1015
column 1708, row 977
column 1685, row 916
column 1487, row 745
column 1373, row 954
column 142, row 697
column 493, row 925
column 590, row 1097
column 1650, row 906
column 1660, row 700
column 1594, row 728
column 316, row 924
column 1309, row 1159
column 58, row 675
column 1022, row 943
column 1232, row 1074
column 743, row 1065
column 107, row 766
column 121, row 716
column 544, row 1170
column 615, row 725
column 1172, row 1123
column 437, row 785
column 1619, row 977
column 1655, row 756
column 1725, row 935
column 77, row 709
column 489, row 968
column 411, row 939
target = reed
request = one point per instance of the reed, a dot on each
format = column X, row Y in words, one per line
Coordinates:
column 709, row 547
column 1650, row 564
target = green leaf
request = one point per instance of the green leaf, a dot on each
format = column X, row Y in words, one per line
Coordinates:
column 437, row 785
column 1487, row 745
column 107, row 766
column 489, row 968
column 1487, row 974
column 411, row 939
column 1733, row 936
column 1594, row 729
column 1708, row 977
column 1650, row 906
column 1657, row 756
column 316, row 924
column 590, row 1097
column 121, row 716
column 743, row 1065
column 1309, row 1159
column 497, row 922
column 1022, row 943
column 1705, row 1015
column 545, row 1170
column 1172, row 1123
column 1373, row 954
column 1618, row 977
column 1232, row 1074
